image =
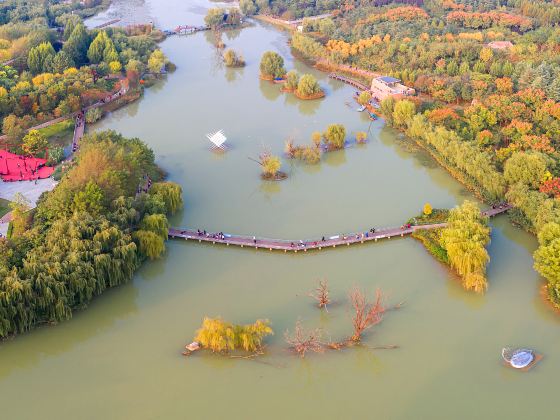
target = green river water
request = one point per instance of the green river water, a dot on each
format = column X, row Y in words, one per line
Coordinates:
column 121, row 358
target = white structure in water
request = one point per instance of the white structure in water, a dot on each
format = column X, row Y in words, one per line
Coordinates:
column 217, row 139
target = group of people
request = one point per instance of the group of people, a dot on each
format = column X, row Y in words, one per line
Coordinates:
column 80, row 120
column 219, row 235
column 147, row 185
column 358, row 236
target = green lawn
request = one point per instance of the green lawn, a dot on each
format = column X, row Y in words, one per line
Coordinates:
column 4, row 207
column 59, row 133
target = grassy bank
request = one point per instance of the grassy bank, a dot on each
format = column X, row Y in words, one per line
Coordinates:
column 4, row 207
column 431, row 238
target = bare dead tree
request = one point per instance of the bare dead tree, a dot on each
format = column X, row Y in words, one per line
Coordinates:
column 366, row 314
column 321, row 294
column 303, row 341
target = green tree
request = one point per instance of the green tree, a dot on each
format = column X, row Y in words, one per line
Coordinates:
column 215, row 17
column 292, row 80
column 308, row 86
column 20, row 207
column 547, row 259
column 171, row 195
column 102, row 49
column 335, row 136
column 93, row 115
column 231, row 59
column 89, row 200
column 248, row 7
column 12, row 127
column 526, row 168
column 40, row 58
column 387, row 108
column 77, row 45
column 272, row 65
column 156, row 223
column 157, row 61
column 364, row 97
column 403, row 112
column 61, row 62
column 34, row 142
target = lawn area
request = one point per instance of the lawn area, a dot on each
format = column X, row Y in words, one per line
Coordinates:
column 4, row 207
column 59, row 133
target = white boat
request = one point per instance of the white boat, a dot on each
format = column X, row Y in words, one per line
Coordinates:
column 518, row 358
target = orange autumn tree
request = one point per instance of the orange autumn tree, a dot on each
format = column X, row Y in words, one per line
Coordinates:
column 551, row 187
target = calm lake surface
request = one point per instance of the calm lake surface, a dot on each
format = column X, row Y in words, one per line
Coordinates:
column 121, row 358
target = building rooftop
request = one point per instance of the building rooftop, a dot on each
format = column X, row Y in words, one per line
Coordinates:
column 388, row 79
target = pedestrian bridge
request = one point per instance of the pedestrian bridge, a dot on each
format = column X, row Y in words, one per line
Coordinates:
column 311, row 244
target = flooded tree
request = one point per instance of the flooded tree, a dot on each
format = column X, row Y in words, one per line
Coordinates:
column 222, row 337
column 335, row 136
column 232, row 59
column 302, row 341
column 366, row 314
column 321, row 294
column 361, row 137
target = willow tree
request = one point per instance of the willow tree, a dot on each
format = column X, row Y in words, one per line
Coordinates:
column 156, row 223
column 465, row 239
column 403, row 112
column 150, row 244
column 220, row 336
column 170, row 193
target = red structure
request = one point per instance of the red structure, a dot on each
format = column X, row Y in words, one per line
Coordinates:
column 20, row 168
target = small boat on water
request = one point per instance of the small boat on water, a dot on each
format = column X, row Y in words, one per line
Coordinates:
column 523, row 359
column 361, row 109
column 372, row 116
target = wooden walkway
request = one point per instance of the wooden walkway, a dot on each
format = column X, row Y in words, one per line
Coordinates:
column 310, row 244
column 349, row 81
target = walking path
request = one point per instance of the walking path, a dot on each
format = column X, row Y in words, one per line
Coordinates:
column 304, row 245
column 349, row 81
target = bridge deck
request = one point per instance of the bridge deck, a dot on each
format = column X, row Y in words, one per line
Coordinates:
column 304, row 245
column 349, row 81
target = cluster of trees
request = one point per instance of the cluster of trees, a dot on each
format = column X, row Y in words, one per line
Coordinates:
column 223, row 337
column 288, row 9
column 334, row 138
column 232, row 59
column 526, row 178
column 477, row 20
column 61, row 76
column 217, row 17
column 88, row 234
